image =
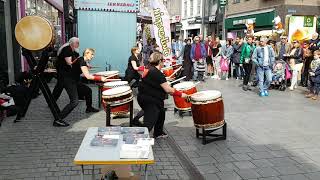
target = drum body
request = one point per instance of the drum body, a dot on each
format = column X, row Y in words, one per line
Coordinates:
column 34, row 33
column 167, row 71
column 120, row 110
column 188, row 88
column 207, row 109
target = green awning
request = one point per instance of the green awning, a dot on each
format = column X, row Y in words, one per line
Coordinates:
column 261, row 20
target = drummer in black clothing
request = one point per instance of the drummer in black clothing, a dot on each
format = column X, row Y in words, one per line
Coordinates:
column 152, row 92
column 133, row 65
column 64, row 77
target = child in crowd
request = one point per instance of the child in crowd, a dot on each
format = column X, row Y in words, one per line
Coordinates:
column 314, row 73
column 278, row 72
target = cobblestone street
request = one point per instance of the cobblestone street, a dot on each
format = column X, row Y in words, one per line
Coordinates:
column 269, row 138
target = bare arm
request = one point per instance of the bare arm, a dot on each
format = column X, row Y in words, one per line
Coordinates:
column 134, row 65
column 86, row 73
column 167, row 88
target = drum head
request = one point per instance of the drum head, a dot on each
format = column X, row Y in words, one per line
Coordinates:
column 115, row 83
column 205, row 95
column 166, row 68
column 184, row 85
column 107, row 73
column 116, row 91
column 34, row 33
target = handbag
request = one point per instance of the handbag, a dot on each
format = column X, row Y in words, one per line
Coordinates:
column 288, row 73
column 224, row 65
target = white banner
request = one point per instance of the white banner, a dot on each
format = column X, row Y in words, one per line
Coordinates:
column 161, row 27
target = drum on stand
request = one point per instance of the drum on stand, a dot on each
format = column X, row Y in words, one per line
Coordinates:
column 207, row 109
column 120, row 110
column 110, row 74
column 34, row 33
column 117, row 96
column 188, row 88
column 167, row 71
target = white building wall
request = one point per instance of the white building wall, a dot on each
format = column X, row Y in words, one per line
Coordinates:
column 189, row 16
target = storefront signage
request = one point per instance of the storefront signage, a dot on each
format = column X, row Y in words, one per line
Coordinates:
column 212, row 18
column 308, row 21
column 242, row 21
column 302, row 28
column 130, row 6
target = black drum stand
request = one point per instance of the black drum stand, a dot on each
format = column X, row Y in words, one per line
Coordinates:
column 108, row 112
column 182, row 112
column 208, row 132
column 38, row 81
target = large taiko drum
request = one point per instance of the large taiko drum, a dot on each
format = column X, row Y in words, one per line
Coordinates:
column 167, row 71
column 117, row 96
column 34, row 33
column 110, row 74
column 120, row 110
column 188, row 88
column 207, row 109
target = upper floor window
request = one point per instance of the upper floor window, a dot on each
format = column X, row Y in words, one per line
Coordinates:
column 198, row 7
column 191, row 7
column 236, row 1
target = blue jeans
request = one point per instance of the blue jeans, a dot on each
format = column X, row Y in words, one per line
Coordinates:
column 263, row 72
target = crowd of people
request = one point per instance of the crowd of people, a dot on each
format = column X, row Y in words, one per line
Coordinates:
column 253, row 60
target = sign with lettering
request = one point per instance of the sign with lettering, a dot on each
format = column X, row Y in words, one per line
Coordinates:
column 301, row 28
column 243, row 21
column 308, row 21
column 129, row 6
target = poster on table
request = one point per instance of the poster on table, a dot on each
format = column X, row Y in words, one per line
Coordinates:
column 161, row 27
column 129, row 6
column 301, row 28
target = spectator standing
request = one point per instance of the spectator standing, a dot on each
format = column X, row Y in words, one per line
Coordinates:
column 282, row 48
column 246, row 61
column 237, row 48
column 264, row 58
column 187, row 61
column 198, row 56
column 209, row 61
column 314, row 72
column 216, row 54
column 296, row 63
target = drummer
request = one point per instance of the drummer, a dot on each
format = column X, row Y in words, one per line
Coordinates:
column 132, row 69
column 152, row 91
column 81, row 66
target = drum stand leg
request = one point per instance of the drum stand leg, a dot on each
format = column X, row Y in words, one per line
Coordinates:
column 108, row 114
column 131, row 113
column 181, row 112
column 39, row 82
column 208, row 133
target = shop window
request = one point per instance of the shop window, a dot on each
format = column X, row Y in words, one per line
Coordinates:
column 191, row 7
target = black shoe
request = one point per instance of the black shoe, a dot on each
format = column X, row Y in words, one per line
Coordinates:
column 91, row 109
column 60, row 123
column 136, row 123
column 245, row 88
column 163, row 135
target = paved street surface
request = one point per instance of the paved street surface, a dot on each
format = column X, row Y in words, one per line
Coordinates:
column 269, row 138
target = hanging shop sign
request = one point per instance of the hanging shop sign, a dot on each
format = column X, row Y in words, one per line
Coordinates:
column 128, row 6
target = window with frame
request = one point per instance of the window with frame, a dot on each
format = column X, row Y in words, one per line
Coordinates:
column 198, row 7
column 236, row 1
column 191, row 7
column 185, row 8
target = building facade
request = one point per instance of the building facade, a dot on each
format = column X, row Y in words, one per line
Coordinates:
column 262, row 12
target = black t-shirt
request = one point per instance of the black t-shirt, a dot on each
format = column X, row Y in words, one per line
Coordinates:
column 215, row 50
column 76, row 68
column 150, row 84
column 135, row 59
column 62, row 67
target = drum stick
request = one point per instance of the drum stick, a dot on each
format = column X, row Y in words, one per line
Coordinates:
column 196, row 83
column 175, row 72
column 113, row 79
column 172, row 82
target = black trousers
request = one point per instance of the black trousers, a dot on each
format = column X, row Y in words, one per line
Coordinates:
column 154, row 113
column 85, row 92
column 72, row 90
column 247, row 72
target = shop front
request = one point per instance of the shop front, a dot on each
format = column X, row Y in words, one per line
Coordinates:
column 235, row 24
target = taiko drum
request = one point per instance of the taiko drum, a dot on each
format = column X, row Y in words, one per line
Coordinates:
column 188, row 88
column 207, row 109
column 167, row 71
column 123, row 109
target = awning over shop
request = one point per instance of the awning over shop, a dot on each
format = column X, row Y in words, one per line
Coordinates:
column 144, row 16
column 260, row 19
column 264, row 33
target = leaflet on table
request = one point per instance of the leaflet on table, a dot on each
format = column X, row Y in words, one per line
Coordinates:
column 106, row 140
column 132, row 151
column 132, row 130
column 132, row 138
column 145, row 141
column 109, row 130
